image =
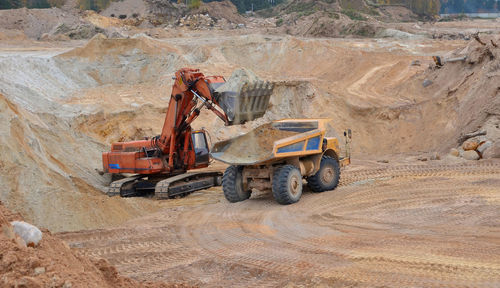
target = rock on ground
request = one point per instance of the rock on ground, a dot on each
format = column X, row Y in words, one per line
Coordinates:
column 29, row 233
column 470, row 144
column 483, row 146
column 493, row 151
column 471, row 155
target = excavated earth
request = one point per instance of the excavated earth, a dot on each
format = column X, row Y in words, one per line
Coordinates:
column 393, row 221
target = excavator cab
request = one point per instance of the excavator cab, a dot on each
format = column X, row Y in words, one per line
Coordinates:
column 200, row 145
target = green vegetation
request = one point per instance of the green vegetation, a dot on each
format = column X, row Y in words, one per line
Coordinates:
column 372, row 11
column 303, row 9
column 279, row 22
column 246, row 5
column 96, row 5
column 194, row 4
column 353, row 14
column 13, row 4
column 333, row 15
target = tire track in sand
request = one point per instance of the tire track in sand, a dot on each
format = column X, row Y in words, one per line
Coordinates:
column 413, row 225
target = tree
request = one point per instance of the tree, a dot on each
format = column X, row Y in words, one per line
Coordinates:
column 489, row 4
column 4, row 4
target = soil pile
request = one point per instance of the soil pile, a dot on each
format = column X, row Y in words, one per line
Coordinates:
column 35, row 22
column 100, row 47
column 53, row 264
column 62, row 25
column 220, row 10
column 129, row 8
column 255, row 146
column 334, row 18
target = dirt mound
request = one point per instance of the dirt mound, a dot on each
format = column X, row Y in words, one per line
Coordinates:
column 100, row 46
column 397, row 14
column 12, row 35
column 53, row 23
column 329, row 18
column 129, row 8
column 220, row 10
column 252, row 147
column 53, row 264
column 35, row 22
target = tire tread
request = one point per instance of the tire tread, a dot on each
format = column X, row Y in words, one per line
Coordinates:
column 280, row 185
column 314, row 182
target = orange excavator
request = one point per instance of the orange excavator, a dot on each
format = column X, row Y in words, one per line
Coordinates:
column 160, row 163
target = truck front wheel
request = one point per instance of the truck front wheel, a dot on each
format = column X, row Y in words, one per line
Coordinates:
column 232, row 185
column 287, row 184
column 327, row 177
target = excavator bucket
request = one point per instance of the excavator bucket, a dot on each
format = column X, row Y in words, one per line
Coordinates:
column 250, row 103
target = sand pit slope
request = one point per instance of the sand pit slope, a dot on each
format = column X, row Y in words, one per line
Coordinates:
column 53, row 264
column 100, row 47
column 49, row 173
column 220, row 10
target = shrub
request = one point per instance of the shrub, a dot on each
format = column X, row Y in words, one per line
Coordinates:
column 194, row 4
column 353, row 14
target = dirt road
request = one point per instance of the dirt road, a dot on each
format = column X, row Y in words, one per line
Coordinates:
column 429, row 225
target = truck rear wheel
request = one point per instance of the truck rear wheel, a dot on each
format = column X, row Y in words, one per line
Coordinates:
column 232, row 185
column 327, row 177
column 287, row 184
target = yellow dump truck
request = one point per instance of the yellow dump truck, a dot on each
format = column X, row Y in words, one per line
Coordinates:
column 278, row 155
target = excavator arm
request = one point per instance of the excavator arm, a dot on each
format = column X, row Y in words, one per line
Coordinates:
column 190, row 88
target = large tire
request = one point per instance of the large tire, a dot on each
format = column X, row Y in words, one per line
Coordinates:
column 232, row 185
column 287, row 184
column 327, row 177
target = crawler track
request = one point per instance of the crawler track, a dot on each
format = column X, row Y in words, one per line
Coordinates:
column 406, row 226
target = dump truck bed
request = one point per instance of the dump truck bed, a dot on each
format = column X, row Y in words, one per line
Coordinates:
column 272, row 141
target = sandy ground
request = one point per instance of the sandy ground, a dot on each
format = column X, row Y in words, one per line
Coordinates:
column 427, row 225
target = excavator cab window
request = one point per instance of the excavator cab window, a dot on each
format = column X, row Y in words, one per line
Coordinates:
column 200, row 145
